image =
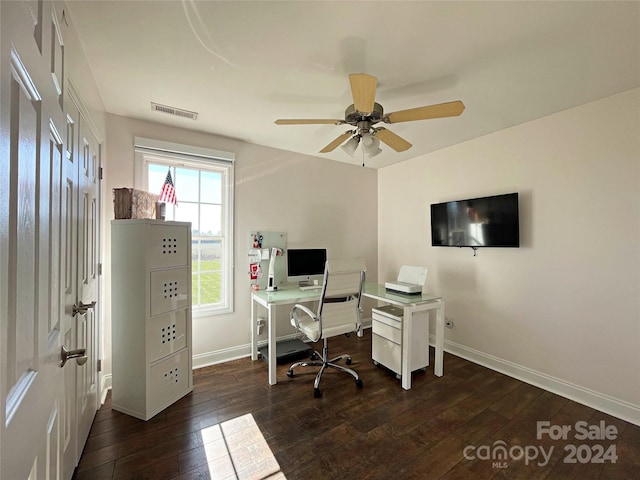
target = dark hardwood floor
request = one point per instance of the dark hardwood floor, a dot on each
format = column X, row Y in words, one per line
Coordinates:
column 234, row 425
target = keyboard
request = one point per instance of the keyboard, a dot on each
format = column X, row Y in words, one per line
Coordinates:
column 311, row 287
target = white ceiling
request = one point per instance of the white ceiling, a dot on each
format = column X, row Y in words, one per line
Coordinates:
column 241, row 65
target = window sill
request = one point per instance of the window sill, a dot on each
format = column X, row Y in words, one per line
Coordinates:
column 199, row 312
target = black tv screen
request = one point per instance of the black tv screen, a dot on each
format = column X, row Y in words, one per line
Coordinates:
column 476, row 222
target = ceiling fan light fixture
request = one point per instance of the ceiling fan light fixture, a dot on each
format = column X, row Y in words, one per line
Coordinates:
column 373, row 153
column 351, row 145
column 371, row 145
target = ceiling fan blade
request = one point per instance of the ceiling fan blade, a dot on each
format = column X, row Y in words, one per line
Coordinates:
column 332, row 146
column 396, row 142
column 449, row 109
column 310, row 121
column 363, row 90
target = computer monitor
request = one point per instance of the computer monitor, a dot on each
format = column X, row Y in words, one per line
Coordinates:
column 304, row 265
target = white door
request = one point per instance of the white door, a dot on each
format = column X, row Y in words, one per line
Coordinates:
column 69, row 256
column 32, row 127
column 43, row 423
column 79, row 329
column 86, row 392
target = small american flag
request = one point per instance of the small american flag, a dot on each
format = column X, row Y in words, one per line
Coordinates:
column 168, row 192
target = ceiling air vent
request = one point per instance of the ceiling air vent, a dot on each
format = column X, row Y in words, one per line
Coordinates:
column 173, row 111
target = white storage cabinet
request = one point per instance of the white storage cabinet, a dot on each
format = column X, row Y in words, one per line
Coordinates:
column 386, row 342
column 151, row 315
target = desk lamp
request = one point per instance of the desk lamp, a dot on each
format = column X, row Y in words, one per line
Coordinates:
column 271, row 280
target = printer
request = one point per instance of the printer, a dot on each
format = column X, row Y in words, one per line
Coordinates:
column 410, row 280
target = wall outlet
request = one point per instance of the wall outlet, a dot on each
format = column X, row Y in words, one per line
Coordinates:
column 448, row 323
column 259, row 325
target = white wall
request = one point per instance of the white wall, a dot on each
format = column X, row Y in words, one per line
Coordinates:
column 316, row 202
column 563, row 310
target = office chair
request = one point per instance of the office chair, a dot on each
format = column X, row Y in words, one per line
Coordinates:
column 338, row 314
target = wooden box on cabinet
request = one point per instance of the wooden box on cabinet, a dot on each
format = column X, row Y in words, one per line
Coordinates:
column 132, row 203
column 150, row 315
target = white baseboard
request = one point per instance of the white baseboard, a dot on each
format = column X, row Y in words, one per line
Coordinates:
column 105, row 386
column 600, row 401
column 219, row 356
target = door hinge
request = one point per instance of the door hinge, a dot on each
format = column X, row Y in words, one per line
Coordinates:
column 99, row 269
column 100, row 173
column 99, row 365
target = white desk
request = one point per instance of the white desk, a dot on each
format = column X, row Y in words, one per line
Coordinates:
column 410, row 304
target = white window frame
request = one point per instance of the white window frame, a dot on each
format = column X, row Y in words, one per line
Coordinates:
column 158, row 151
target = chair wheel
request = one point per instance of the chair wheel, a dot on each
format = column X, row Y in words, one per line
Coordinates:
column 348, row 360
column 359, row 383
column 317, row 393
column 314, row 356
column 290, row 373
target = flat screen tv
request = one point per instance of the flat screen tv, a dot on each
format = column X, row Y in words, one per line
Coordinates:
column 476, row 222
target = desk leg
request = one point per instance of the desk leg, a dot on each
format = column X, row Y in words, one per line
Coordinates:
column 439, row 340
column 407, row 327
column 272, row 344
column 254, row 334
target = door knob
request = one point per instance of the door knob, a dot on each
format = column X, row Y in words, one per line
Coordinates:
column 81, row 308
column 79, row 354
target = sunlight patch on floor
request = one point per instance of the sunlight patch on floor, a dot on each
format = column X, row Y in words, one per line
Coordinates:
column 237, row 450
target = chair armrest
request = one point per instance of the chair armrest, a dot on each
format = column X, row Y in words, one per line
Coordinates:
column 294, row 314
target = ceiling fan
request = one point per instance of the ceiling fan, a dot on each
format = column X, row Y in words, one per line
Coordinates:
column 365, row 112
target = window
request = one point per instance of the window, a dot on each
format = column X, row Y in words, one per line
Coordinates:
column 203, row 181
